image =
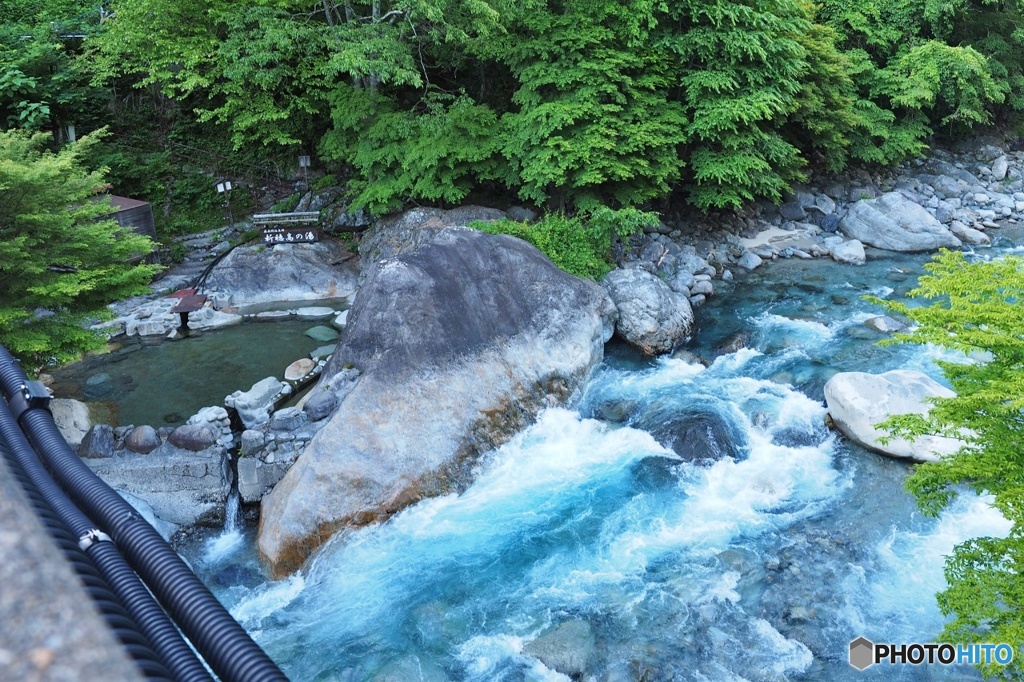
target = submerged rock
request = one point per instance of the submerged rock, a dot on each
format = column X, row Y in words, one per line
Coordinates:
column 460, row 344
column 857, row 401
column 568, row 648
column 697, row 435
column 895, row 223
column 653, row 318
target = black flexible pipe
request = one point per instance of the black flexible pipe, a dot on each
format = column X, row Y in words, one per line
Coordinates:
column 95, row 587
column 225, row 645
column 152, row 621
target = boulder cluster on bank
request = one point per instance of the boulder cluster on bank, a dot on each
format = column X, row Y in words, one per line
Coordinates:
column 455, row 340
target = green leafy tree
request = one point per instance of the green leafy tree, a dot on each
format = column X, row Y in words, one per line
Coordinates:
column 750, row 69
column 60, row 260
column 593, row 121
column 977, row 308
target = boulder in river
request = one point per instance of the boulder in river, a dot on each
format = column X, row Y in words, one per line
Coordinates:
column 461, row 343
column 653, row 318
column 895, row 223
column 858, row 401
column 259, row 276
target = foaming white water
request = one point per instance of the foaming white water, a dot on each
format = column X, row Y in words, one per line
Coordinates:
column 222, row 546
column 898, row 601
column 262, row 602
column 780, row 331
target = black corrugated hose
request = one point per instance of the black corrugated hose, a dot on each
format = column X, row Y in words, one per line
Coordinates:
column 99, row 591
column 152, row 622
column 222, row 642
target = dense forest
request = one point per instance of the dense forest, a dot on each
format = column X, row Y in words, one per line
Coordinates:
column 565, row 105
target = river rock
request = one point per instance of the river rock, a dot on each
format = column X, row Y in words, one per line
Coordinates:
column 749, row 261
column 885, row 324
column 999, row 168
column 320, row 404
column 405, row 232
column 567, row 648
column 969, row 234
column 71, row 418
column 193, row 437
column 460, row 343
column 182, row 487
column 258, row 276
column 652, row 318
column 851, row 252
column 895, row 223
column 98, row 442
column 142, row 439
column 298, row 369
column 857, row 401
column 340, row 321
column 253, row 406
column 697, row 434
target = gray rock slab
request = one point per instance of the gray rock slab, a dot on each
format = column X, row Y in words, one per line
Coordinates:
column 51, row 629
column 257, row 276
column 182, row 487
column 314, row 313
column 894, row 223
column 858, row 401
column 460, row 344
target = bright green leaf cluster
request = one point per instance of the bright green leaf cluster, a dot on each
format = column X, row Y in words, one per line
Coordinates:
column 978, row 308
column 61, row 261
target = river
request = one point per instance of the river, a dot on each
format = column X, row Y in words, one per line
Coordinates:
column 587, row 544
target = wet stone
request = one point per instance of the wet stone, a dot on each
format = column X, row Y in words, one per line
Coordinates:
column 98, row 442
column 142, row 440
column 320, row 405
column 192, row 437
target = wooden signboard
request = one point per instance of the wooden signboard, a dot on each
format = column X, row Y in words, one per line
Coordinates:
column 290, row 235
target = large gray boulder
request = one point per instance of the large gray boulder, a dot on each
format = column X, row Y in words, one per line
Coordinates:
column 257, row 277
column 407, row 231
column 460, row 343
column 182, row 487
column 857, row 401
column 653, row 318
column 895, row 223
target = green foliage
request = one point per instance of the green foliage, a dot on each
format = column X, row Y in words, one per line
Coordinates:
column 581, row 244
column 437, row 154
column 60, row 261
column 287, row 204
column 978, row 309
column 595, row 121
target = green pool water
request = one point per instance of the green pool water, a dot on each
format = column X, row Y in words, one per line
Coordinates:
column 164, row 383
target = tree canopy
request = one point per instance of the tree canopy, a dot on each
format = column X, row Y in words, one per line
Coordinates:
column 575, row 103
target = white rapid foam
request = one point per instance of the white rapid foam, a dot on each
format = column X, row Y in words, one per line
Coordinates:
column 897, row 602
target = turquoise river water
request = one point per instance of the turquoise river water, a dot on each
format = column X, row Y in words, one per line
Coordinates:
column 759, row 566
